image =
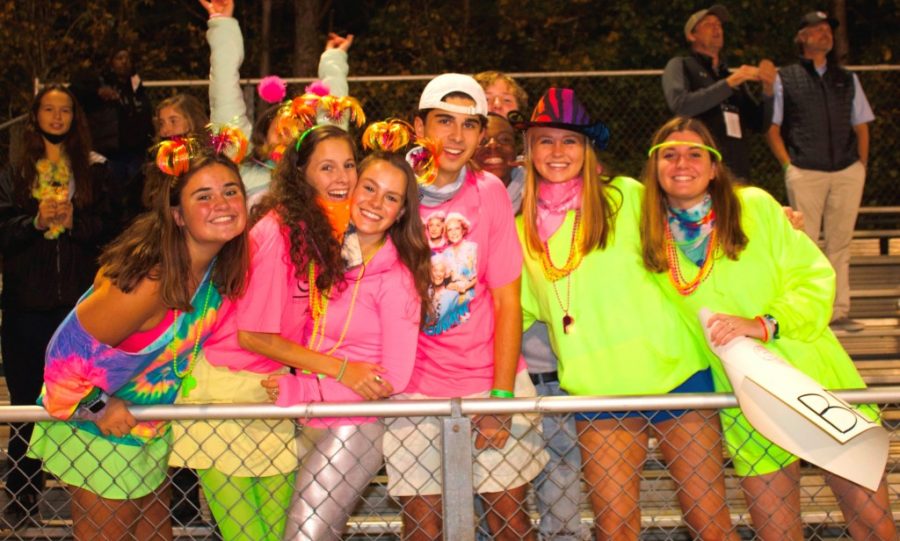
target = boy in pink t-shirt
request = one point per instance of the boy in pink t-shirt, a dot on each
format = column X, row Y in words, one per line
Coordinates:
column 470, row 345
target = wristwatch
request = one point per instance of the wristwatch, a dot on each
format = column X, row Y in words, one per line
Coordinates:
column 96, row 404
column 771, row 319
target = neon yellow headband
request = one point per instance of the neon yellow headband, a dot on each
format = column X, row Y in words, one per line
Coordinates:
column 666, row 144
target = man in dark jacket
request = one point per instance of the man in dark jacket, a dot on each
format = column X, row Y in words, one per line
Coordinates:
column 820, row 136
column 700, row 85
column 120, row 117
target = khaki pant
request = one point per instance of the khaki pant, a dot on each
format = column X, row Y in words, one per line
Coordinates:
column 830, row 203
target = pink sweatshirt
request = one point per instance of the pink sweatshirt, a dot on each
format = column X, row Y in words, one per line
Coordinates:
column 383, row 329
column 272, row 303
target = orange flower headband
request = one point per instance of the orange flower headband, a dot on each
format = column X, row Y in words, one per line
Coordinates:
column 394, row 135
column 173, row 157
column 298, row 116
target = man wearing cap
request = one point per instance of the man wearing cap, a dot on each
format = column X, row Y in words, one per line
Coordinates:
column 470, row 349
column 820, row 136
column 700, row 85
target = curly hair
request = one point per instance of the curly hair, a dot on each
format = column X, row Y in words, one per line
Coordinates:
column 293, row 198
column 407, row 232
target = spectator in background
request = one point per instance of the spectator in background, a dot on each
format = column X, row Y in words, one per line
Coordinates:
column 502, row 92
column 180, row 114
column 820, row 136
column 53, row 211
column 558, row 486
column 119, row 113
column 700, row 85
column 497, row 155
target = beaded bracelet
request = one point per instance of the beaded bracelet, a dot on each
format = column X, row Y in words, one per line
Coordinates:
column 500, row 393
column 340, row 373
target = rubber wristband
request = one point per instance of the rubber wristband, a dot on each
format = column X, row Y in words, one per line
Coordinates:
column 216, row 15
column 784, row 166
column 765, row 327
column 500, row 393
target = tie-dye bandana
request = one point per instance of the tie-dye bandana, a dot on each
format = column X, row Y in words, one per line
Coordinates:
column 691, row 229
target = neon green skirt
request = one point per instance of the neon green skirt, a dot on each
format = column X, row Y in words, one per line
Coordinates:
column 111, row 470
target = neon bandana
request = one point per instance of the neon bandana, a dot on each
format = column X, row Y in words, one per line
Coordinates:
column 338, row 214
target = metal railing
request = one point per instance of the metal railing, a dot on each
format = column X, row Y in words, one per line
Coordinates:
column 377, row 516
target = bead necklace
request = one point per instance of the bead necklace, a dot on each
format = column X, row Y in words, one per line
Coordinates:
column 189, row 381
column 318, row 306
column 553, row 273
column 683, row 286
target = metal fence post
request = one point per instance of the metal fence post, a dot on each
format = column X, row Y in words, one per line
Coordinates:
column 456, row 458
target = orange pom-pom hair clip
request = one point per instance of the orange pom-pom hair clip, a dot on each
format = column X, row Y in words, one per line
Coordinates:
column 390, row 135
column 230, row 141
column 294, row 117
column 425, row 160
column 335, row 107
column 174, row 155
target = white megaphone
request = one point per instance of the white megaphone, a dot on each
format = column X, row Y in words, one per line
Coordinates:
column 795, row 412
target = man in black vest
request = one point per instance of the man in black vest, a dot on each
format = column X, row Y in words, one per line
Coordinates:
column 820, row 135
column 700, row 85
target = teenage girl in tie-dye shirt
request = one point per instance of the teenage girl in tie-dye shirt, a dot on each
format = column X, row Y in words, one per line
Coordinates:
column 132, row 339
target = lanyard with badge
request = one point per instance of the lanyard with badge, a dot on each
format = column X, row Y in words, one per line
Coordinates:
column 732, row 117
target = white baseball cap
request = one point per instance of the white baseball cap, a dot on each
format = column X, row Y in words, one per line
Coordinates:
column 448, row 83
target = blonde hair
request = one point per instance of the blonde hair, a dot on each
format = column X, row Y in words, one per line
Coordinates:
column 487, row 78
column 730, row 237
column 598, row 212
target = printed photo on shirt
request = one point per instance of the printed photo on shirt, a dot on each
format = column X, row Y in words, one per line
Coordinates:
column 454, row 270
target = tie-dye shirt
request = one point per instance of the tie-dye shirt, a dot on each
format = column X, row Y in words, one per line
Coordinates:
column 77, row 363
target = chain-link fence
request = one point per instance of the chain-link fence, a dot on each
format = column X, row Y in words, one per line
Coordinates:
column 658, row 472
column 632, row 104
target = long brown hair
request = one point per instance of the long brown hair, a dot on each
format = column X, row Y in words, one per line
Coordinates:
column 294, row 199
column 407, row 232
column 730, row 237
column 598, row 210
column 76, row 145
column 154, row 246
